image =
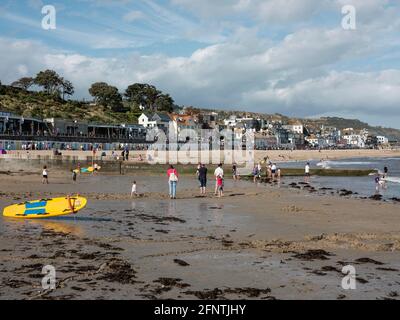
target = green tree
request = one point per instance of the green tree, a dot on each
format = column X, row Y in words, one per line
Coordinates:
column 49, row 80
column 67, row 88
column 106, row 95
column 23, row 83
column 164, row 103
column 152, row 94
column 134, row 94
column 143, row 94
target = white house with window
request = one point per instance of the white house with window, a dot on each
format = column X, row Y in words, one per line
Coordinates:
column 146, row 121
column 355, row 140
column 312, row 140
column 295, row 128
column 382, row 140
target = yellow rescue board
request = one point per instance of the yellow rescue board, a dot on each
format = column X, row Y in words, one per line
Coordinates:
column 89, row 169
column 45, row 208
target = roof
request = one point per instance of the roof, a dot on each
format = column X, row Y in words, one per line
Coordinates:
column 162, row 116
column 294, row 123
column 148, row 115
column 183, row 119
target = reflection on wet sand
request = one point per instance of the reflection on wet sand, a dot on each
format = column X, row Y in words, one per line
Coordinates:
column 14, row 226
column 211, row 213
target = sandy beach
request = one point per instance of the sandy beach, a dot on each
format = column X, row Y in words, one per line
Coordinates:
column 280, row 241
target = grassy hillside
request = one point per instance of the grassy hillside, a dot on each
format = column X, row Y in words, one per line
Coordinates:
column 41, row 105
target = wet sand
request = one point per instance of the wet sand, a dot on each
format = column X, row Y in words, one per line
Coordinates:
column 258, row 242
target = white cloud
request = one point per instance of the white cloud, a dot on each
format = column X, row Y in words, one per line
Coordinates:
column 312, row 71
column 290, row 77
column 338, row 92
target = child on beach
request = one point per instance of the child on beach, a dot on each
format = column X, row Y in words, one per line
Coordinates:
column 255, row 173
column 234, row 172
column 218, row 172
column 220, row 184
column 95, row 168
column 134, row 190
column 73, row 176
column 45, row 175
column 273, row 171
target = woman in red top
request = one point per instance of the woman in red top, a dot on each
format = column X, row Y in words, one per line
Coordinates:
column 173, row 178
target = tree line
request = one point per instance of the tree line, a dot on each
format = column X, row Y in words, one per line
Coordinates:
column 52, row 84
column 135, row 96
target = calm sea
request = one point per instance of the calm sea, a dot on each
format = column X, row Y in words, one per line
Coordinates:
column 365, row 186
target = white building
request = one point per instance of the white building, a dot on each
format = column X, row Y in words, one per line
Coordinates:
column 230, row 122
column 233, row 121
column 145, row 121
column 382, row 140
column 355, row 140
column 312, row 140
column 295, row 128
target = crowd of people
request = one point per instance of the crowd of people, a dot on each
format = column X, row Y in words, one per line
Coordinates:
column 272, row 173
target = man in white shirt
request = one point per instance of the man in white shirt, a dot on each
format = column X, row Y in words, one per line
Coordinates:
column 307, row 172
column 218, row 172
column 307, row 169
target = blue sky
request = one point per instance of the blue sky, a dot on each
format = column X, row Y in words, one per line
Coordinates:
column 287, row 56
column 109, row 27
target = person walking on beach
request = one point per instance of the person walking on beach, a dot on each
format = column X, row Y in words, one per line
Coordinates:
column 173, row 178
column 45, row 175
column 203, row 178
column 74, row 176
column 234, row 172
column 273, row 171
column 127, row 154
column 134, row 190
column 198, row 173
column 307, row 172
column 379, row 183
column 385, row 172
column 218, row 172
column 255, row 173
column 269, row 171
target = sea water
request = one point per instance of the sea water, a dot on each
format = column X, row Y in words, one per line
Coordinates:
column 364, row 186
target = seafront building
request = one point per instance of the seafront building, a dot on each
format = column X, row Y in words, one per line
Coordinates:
column 17, row 132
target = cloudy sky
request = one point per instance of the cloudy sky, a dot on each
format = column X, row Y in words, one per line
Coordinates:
column 286, row 56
